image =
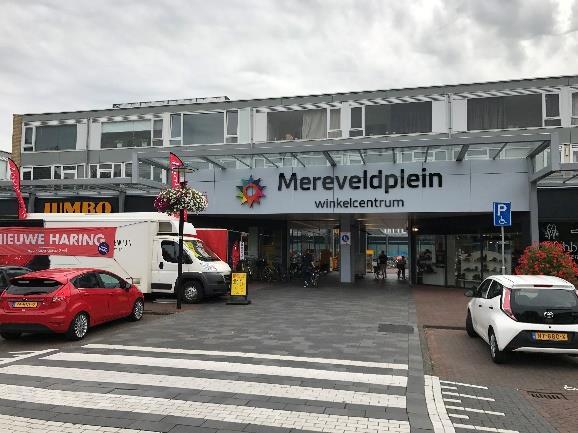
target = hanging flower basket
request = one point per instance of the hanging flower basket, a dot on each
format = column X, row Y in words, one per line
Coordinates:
column 171, row 201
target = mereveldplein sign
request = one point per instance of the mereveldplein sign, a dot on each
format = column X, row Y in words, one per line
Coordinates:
column 379, row 180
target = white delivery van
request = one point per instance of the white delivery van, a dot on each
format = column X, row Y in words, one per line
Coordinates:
column 146, row 253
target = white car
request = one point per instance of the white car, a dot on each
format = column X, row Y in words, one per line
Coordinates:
column 526, row 313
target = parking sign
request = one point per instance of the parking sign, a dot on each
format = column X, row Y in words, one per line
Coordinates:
column 502, row 214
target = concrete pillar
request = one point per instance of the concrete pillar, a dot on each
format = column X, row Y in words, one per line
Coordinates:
column 346, row 255
column 534, row 228
column 121, row 201
column 32, row 202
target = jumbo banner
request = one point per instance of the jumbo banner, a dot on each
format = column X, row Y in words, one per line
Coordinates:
column 85, row 242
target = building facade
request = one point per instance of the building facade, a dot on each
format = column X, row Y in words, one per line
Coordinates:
column 297, row 172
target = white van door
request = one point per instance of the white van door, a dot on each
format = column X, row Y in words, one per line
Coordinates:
column 165, row 265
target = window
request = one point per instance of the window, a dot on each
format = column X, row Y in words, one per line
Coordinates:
column 28, row 139
column 505, row 112
column 410, row 118
column 26, row 173
column 495, row 290
column 61, row 137
column 482, row 289
column 106, row 170
column 68, row 172
column 356, row 122
column 201, row 251
column 41, row 173
column 575, row 108
column 158, row 132
column 334, row 129
column 133, row 133
column 87, row 281
column 176, row 129
column 232, row 126
column 206, row 128
column 552, row 109
column 128, row 169
column 110, row 281
column 16, row 272
column 297, row 125
column 30, row 286
column 170, row 251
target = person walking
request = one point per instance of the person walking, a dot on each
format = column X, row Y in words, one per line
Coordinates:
column 307, row 267
column 382, row 260
column 401, row 263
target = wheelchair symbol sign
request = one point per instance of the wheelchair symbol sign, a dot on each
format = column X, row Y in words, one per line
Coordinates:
column 345, row 238
column 502, row 214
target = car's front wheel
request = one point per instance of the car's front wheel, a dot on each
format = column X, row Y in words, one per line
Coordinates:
column 78, row 327
column 192, row 292
column 498, row 356
column 10, row 335
column 470, row 326
column 137, row 311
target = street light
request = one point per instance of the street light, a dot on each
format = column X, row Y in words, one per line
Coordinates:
column 181, row 171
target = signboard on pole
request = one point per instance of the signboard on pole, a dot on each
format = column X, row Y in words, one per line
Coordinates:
column 345, row 238
column 502, row 214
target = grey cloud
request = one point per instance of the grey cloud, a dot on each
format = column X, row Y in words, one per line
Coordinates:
column 71, row 55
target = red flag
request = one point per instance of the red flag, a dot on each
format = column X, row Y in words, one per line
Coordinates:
column 174, row 163
column 15, row 177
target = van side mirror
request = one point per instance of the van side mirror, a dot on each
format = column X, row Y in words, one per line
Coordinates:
column 469, row 293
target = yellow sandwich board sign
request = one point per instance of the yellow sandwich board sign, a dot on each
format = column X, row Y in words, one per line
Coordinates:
column 238, row 289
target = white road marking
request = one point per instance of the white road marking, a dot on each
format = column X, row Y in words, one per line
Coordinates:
column 15, row 424
column 480, row 428
column 267, row 370
column 457, row 394
column 241, row 387
column 249, row 355
column 210, row 411
column 435, row 406
column 452, row 400
column 463, row 384
column 28, row 355
column 455, row 415
column 22, row 352
column 469, row 409
column 448, row 387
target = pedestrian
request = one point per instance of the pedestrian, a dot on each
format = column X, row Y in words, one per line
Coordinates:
column 401, row 263
column 307, row 267
column 382, row 260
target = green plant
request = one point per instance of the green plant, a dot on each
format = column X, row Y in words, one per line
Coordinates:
column 548, row 258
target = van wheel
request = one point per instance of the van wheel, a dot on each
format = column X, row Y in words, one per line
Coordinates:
column 10, row 335
column 78, row 328
column 470, row 326
column 498, row 356
column 192, row 292
column 137, row 311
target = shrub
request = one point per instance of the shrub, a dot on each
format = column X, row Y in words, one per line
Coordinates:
column 548, row 258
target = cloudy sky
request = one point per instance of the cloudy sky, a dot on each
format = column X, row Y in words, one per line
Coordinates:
column 60, row 55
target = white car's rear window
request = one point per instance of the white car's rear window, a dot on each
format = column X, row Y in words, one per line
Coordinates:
column 546, row 298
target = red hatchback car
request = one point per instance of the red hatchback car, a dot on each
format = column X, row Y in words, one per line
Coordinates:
column 66, row 301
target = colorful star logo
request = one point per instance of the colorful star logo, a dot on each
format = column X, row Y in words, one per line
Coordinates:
column 251, row 191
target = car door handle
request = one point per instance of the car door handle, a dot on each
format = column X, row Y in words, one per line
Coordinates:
column 161, row 265
column 480, row 305
column 491, row 308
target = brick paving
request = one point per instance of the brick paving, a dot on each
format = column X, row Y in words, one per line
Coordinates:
column 455, row 356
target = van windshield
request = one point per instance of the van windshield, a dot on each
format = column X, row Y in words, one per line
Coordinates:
column 201, row 251
column 32, row 286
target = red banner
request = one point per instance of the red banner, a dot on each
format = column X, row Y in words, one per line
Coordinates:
column 85, row 242
column 15, row 177
column 174, row 163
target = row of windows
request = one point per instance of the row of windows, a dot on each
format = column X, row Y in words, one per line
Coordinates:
column 492, row 113
column 95, row 171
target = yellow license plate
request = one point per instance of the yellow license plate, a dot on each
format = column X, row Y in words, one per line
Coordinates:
column 551, row 336
column 25, row 304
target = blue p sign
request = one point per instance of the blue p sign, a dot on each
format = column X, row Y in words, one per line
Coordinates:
column 502, row 214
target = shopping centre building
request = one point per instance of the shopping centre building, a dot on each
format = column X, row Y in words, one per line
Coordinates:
column 409, row 171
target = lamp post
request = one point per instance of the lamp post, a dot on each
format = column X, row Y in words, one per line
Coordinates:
column 181, row 170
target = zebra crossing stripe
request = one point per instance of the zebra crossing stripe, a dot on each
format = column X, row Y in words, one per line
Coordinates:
column 457, row 394
column 10, row 423
column 209, row 411
column 470, row 409
column 267, row 370
column 463, row 384
column 347, row 362
column 218, row 385
column 481, row 428
column 4, row 361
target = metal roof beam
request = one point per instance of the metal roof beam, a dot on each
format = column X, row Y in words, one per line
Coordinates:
column 426, row 154
column 215, row 163
column 463, row 152
column 154, row 163
column 500, row 150
column 570, row 178
column 329, row 159
column 242, row 162
column 269, row 160
column 362, row 156
column 298, row 160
